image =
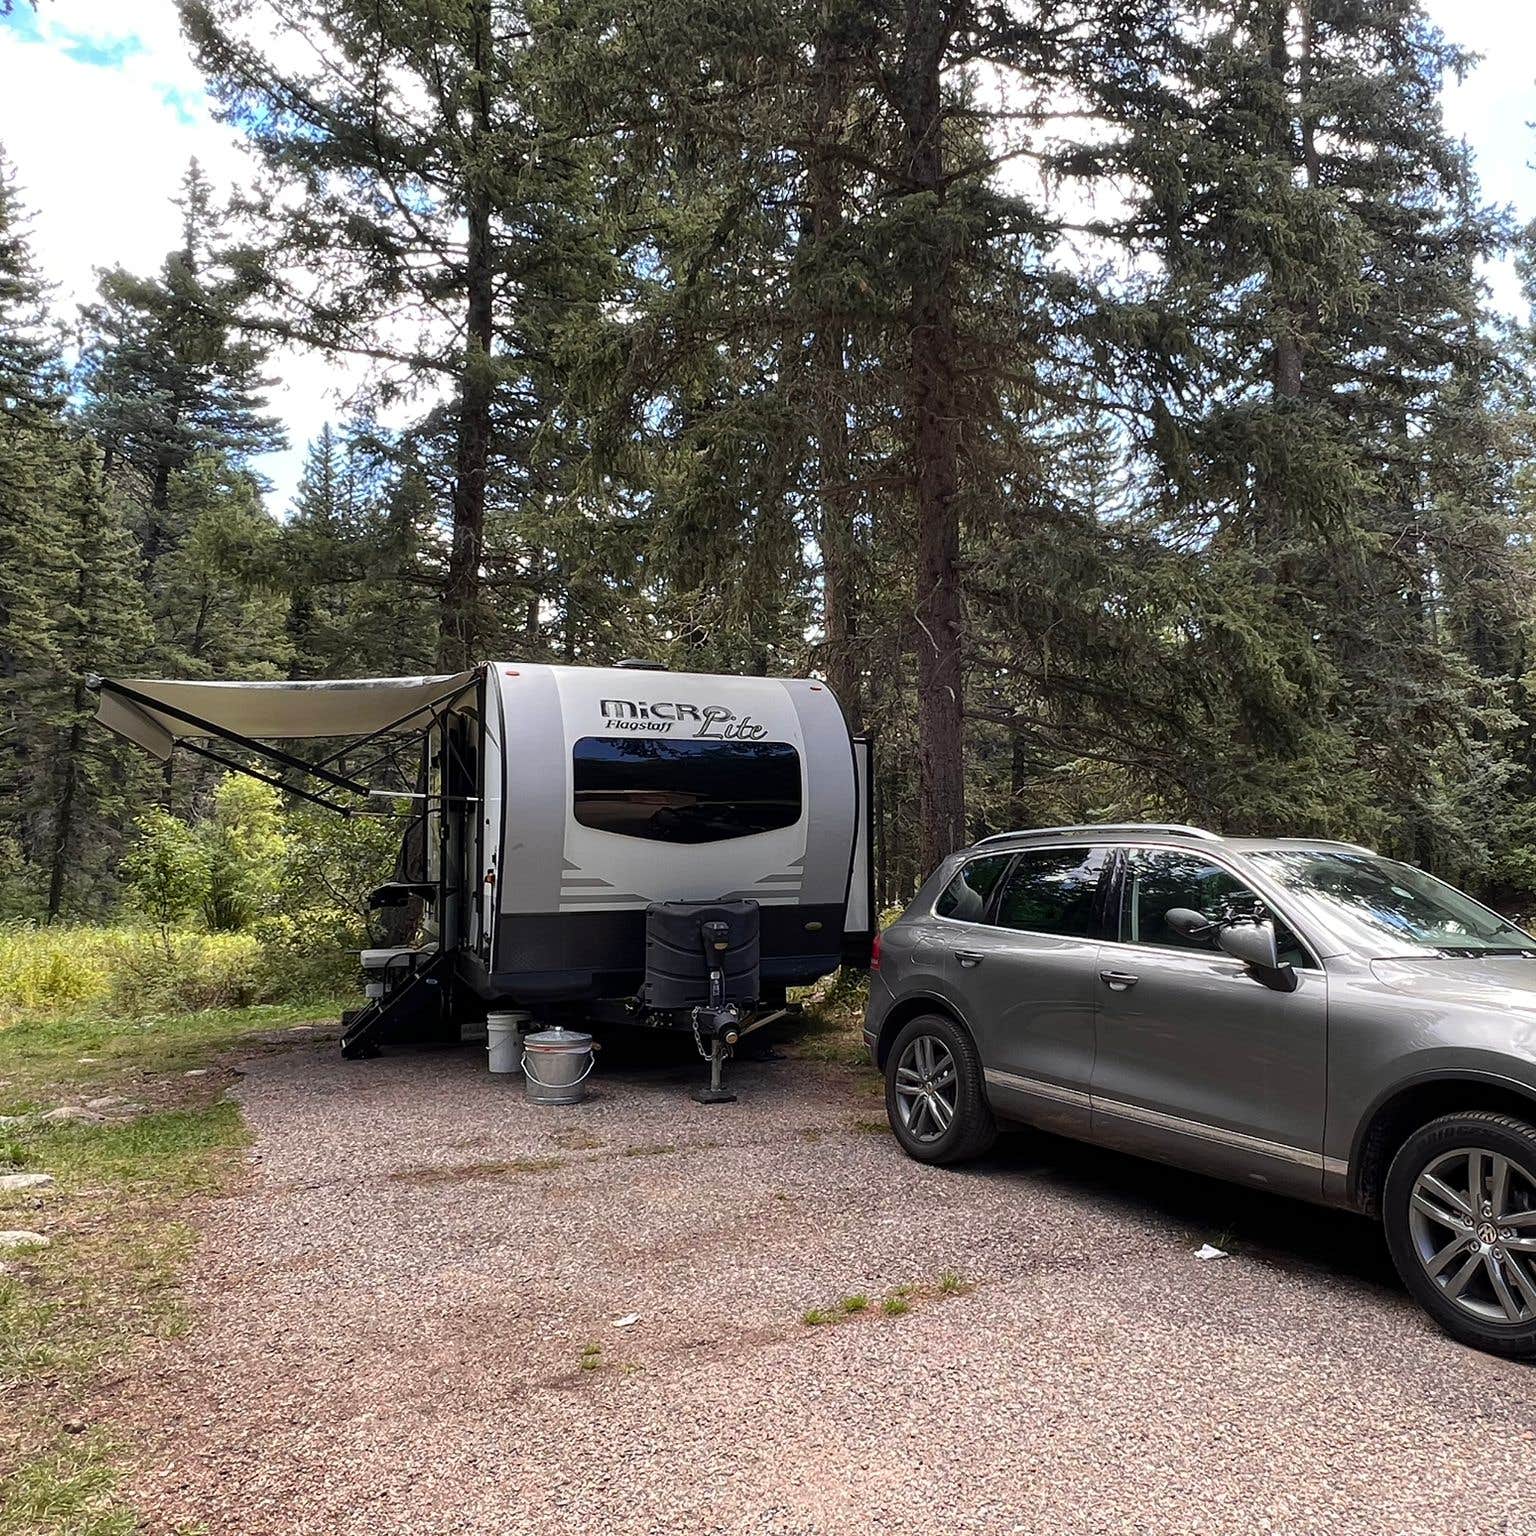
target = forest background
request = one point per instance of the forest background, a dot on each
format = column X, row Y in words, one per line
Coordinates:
column 1107, row 399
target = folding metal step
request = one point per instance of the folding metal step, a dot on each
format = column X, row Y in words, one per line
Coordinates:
column 417, row 1012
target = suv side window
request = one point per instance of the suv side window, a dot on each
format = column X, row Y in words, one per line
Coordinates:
column 1157, row 879
column 965, row 897
column 1053, row 891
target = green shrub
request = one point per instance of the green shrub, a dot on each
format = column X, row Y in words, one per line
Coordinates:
column 309, row 954
column 167, row 869
column 246, row 847
column 182, row 971
column 49, row 969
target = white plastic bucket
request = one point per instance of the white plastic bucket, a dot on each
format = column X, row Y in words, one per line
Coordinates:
column 557, row 1063
column 504, row 1040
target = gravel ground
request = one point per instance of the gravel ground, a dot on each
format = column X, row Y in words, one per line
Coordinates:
column 392, row 1320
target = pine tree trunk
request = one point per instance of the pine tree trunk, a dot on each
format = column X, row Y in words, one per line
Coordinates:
column 829, row 347
column 64, row 810
column 933, row 438
column 462, row 627
column 159, row 508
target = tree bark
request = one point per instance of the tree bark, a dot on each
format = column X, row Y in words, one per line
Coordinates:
column 829, row 347
column 934, row 444
column 462, row 633
column 64, row 810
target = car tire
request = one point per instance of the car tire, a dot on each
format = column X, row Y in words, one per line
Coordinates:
column 937, row 1118
column 1463, row 1257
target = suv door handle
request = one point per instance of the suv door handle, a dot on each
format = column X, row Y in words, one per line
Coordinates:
column 1118, row 981
column 969, row 956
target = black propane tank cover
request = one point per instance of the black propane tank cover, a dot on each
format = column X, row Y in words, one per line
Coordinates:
column 680, row 952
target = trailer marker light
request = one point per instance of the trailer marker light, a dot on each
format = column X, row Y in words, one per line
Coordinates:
column 511, row 673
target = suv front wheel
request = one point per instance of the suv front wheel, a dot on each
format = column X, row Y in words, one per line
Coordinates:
column 1460, row 1212
column 934, row 1094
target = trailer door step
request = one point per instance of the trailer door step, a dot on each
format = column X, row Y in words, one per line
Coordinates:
column 419, row 1011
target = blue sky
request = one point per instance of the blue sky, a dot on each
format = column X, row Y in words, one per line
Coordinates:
column 101, row 108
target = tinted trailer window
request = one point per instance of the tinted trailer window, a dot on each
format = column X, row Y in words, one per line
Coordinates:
column 685, row 791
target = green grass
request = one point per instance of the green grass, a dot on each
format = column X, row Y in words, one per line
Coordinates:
column 110, row 1274
column 111, row 1277
column 40, row 1054
column 894, row 1306
column 817, row 1317
column 591, row 1357
column 69, row 1488
column 852, row 1304
column 174, row 1152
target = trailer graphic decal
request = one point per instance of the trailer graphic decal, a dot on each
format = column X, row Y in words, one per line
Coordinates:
column 713, row 722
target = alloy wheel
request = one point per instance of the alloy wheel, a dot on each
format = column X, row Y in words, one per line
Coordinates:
column 1472, row 1217
column 926, row 1085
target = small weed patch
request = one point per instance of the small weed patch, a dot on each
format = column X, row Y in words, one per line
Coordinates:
column 591, row 1357
column 897, row 1302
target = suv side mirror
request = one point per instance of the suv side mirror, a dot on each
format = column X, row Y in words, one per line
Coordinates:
column 1254, row 945
column 1188, row 923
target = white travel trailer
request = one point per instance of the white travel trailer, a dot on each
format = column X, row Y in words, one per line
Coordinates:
column 623, row 844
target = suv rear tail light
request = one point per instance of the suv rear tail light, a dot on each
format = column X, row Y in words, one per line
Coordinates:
column 874, row 952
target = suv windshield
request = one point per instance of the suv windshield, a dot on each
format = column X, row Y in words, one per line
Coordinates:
column 1379, row 899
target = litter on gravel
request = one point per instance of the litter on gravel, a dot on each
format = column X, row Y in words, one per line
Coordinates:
column 1210, row 1251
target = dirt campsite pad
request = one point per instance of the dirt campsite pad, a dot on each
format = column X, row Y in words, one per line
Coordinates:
column 433, row 1309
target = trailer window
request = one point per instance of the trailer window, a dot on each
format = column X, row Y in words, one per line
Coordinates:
column 685, row 791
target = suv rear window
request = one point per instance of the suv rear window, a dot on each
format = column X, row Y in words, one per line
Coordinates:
column 965, row 897
column 1052, row 890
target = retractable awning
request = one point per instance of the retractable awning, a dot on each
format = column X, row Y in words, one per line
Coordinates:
column 157, row 713
column 161, row 714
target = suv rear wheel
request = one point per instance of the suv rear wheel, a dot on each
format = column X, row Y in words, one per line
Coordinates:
column 1460, row 1212
column 934, row 1094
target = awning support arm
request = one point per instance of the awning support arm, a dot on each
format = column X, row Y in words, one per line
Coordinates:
column 266, row 778
column 261, row 748
column 430, row 706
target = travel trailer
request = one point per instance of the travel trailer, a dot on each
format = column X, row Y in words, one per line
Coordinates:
column 614, row 844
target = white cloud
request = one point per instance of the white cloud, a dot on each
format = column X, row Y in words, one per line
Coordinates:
column 1493, row 108
column 100, row 111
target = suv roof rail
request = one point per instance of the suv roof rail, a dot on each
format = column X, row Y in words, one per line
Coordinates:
column 1157, row 828
column 1324, row 842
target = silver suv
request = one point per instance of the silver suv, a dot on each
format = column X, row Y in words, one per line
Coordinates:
column 1301, row 1015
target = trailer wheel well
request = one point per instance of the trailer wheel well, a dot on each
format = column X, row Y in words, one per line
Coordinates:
column 903, row 1014
column 1396, row 1120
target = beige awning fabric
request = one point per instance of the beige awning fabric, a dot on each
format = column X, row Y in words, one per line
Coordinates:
column 156, row 713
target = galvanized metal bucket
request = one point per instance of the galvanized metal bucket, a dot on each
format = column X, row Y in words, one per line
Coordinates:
column 557, row 1063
